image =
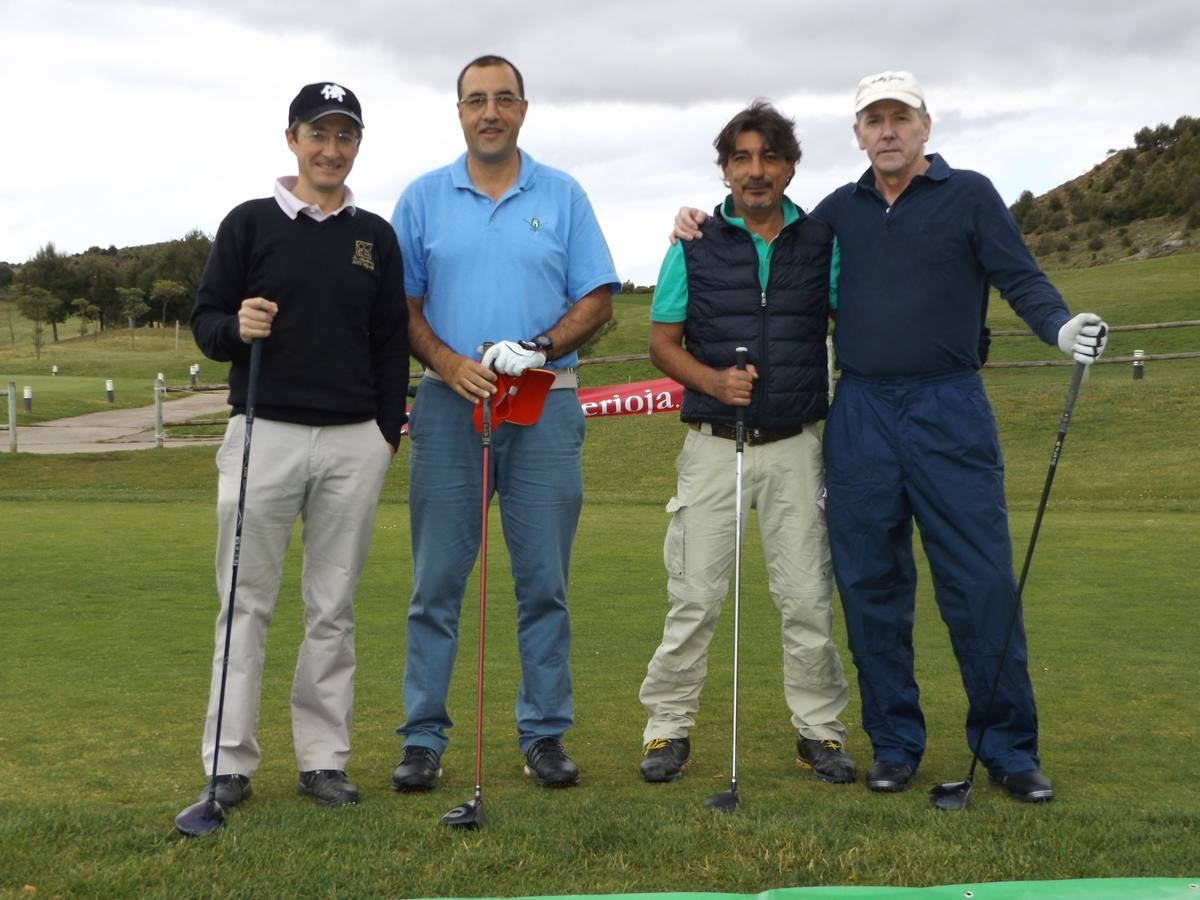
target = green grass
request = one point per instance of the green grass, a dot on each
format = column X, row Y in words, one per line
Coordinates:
column 108, row 605
column 1131, row 293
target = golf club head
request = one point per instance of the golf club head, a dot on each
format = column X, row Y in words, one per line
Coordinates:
column 468, row 816
column 951, row 796
column 726, row 801
column 201, row 818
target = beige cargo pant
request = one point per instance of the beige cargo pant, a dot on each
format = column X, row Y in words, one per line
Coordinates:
column 784, row 482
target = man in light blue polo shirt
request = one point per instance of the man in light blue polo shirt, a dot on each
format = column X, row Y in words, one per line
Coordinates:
column 497, row 249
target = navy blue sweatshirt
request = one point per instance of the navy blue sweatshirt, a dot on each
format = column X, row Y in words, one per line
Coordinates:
column 338, row 350
column 913, row 289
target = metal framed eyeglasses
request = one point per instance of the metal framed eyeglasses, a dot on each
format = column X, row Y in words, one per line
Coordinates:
column 477, row 102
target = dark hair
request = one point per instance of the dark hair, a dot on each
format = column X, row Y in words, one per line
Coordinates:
column 492, row 60
column 778, row 131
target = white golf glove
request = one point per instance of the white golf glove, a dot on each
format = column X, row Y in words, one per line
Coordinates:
column 512, row 358
column 1083, row 338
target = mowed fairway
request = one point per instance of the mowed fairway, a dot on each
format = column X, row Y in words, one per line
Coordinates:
column 107, row 605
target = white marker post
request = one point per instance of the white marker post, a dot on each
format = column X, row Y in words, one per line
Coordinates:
column 108, row 389
column 28, row 399
column 159, row 389
column 12, row 417
column 1138, row 364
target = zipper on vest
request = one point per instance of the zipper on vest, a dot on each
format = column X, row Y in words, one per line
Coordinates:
column 763, row 365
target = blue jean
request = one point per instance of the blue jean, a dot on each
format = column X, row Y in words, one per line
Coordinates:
column 924, row 449
column 536, row 470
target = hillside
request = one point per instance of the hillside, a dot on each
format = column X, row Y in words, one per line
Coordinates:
column 1141, row 202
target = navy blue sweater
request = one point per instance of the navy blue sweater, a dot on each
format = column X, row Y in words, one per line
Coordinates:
column 338, row 350
column 913, row 289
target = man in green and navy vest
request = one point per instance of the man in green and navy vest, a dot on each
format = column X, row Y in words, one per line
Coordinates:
column 760, row 280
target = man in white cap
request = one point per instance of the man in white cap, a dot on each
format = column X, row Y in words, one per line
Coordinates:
column 911, row 436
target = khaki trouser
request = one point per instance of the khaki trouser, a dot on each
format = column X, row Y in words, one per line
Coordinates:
column 784, row 482
column 330, row 476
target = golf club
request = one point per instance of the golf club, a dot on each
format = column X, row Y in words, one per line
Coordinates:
column 469, row 815
column 954, row 794
column 206, row 816
column 727, row 801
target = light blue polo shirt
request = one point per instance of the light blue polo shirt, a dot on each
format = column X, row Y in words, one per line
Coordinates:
column 504, row 270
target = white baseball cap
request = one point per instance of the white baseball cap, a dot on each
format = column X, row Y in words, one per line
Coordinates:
column 902, row 86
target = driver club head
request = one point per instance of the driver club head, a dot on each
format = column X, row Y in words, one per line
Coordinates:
column 201, row 818
column 726, row 801
column 951, row 796
column 468, row 816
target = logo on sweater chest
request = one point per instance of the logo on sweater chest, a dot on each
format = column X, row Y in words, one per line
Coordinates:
column 364, row 255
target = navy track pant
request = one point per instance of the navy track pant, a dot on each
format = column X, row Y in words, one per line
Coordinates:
column 924, row 449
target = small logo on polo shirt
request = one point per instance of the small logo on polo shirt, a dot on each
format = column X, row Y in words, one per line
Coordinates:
column 364, row 255
column 535, row 224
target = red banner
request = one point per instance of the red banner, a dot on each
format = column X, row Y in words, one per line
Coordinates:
column 638, row 398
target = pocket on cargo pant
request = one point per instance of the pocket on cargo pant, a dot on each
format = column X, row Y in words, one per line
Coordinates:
column 675, row 544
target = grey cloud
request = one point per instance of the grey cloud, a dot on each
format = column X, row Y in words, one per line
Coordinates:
column 674, row 52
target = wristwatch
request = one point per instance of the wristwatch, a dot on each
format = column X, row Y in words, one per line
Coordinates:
column 542, row 343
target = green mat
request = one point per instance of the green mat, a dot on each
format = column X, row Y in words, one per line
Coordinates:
column 1084, row 889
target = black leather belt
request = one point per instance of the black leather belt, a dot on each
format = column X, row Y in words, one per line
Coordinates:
column 752, row 436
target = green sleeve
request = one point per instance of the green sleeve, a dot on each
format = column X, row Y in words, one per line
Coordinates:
column 670, row 292
column 835, row 269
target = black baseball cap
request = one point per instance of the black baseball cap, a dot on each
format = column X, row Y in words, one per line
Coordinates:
column 323, row 99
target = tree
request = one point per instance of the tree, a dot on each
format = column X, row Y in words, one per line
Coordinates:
column 87, row 312
column 1024, row 212
column 97, row 281
column 184, row 260
column 38, row 305
column 48, row 269
column 133, row 307
column 6, row 280
column 166, row 292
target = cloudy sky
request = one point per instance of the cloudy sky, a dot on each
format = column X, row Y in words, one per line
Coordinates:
column 134, row 122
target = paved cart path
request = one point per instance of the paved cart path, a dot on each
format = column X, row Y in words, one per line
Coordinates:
column 117, row 429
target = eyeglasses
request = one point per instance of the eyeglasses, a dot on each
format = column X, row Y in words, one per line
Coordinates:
column 344, row 138
column 477, row 102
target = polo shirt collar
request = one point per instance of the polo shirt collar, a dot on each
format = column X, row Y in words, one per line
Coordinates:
column 938, row 171
column 461, row 178
column 791, row 212
column 293, row 206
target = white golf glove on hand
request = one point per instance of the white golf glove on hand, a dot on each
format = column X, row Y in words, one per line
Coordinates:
column 512, row 358
column 1083, row 338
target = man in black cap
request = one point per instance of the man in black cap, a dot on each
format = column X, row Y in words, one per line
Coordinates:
column 320, row 283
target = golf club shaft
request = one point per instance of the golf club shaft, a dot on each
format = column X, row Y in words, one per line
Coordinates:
column 1064, row 423
column 251, row 398
column 483, row 547
column 739, row 438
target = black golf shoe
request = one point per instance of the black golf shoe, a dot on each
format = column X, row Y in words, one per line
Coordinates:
column 231, row 790
column 1028, row 787
column 827, row 760
column 418, row 770
column 329, row 787
column 664, row 759
column 889, row 777
column 548, row 762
